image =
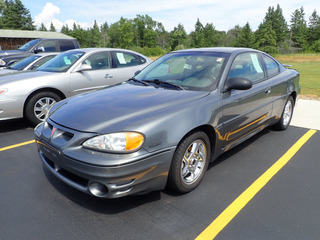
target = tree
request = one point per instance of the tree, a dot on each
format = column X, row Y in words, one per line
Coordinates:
column 43, row 28
column 65, row 29
column 145, row 34
column 197, row 37
column 16, row 16
column 266, row 38
column 2, row 7
column 299, row 28
column 210, row 36
column 83, row 36
column 178, row 37
column 104, row 29
column 52, row 28
column 231, row 36
column 245, row 38
column 122, row 34
column 162, row 36
column 314, row 28
column 278, row 24
column 95, row 35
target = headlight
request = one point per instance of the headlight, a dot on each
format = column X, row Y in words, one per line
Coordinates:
column 2, row 63
column 122, row 142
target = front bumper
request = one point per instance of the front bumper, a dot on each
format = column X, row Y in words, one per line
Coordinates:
column 11, row 108
column 144, row 173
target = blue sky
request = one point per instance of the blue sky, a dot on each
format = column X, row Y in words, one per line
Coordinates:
column 223, row 14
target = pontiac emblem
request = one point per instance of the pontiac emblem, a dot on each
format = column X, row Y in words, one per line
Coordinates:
column 52, row 132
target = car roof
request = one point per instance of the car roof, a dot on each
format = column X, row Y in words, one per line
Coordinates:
column 99, row 49
column 218, row 49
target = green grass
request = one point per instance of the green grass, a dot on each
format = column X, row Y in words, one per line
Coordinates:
column 308, row 66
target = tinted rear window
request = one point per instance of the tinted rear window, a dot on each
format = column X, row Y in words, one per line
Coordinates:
column 66, row 45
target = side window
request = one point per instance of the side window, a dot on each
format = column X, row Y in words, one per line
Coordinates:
column 97, row 61
column 271, row 66
column 66, row 45
column 48, row 46
column 41, row 61
column 247, row 65
column 126, row 59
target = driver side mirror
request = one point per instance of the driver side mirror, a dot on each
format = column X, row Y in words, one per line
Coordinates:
column 39, row 49
column 84, row 67
column 238, row 84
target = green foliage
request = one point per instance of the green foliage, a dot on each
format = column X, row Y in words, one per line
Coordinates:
column 149, row 37
column 316, row 46
column 42, row 28
column 16, row 16
column 266, row 38
column 52, row 28
column 245, row 38
column 178, row 37
column 299, row 28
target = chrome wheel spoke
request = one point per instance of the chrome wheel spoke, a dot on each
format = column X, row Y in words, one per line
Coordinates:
column 42, row 106
column 287, row 113
column 193, row 162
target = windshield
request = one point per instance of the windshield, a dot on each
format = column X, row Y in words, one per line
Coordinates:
column 191, row 70
column 29, row 45
column 62, row 62
column 23, row 63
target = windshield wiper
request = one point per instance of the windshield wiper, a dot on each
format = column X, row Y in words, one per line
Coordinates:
column 139, row 81
column 160, row 82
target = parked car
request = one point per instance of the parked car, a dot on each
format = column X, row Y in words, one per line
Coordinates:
column 163, row 127
column 30, row 94
column 28, row 63
column 36, row 46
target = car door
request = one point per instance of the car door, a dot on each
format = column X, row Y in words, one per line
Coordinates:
column 245, row 111
column 97, row 74
column 126, row 65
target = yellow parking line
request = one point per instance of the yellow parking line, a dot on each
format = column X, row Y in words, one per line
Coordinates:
column 236, row 206
column 16, row 145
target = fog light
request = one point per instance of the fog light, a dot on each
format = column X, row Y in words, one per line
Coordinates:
column 98, row 189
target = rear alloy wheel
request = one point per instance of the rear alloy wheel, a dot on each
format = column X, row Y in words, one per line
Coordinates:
column 286, row 116
column 38, row 106
column 189, row 162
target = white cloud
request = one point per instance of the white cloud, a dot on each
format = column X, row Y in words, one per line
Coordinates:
column 48, row 16
column 223, row 14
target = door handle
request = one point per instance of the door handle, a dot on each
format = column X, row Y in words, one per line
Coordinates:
column 267, row 91
column 108, row 76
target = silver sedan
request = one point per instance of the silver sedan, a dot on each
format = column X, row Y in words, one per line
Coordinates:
column 28, row 63
column 31, row 94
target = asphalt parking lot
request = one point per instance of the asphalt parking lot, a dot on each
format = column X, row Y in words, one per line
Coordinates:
column 36, row 205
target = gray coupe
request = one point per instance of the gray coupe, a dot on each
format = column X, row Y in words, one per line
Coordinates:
column 163, row 127
column 30, row 94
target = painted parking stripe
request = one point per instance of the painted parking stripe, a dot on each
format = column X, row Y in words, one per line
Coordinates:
column 236, row 206
column 16, row 145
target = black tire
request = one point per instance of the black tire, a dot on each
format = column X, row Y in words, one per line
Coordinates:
column 38, row 105
column 286, row 115
column 184, row 175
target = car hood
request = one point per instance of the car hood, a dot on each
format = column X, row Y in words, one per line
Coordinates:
column 8, row 71
column 23, row 75
column 115, row 107
column 10, row 52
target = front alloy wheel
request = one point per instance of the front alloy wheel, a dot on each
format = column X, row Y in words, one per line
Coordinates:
column 38, row 106
column 193, row 162
column 42, row 106
column 189, row 162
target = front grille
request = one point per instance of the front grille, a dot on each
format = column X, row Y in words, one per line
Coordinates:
column 65, row 173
